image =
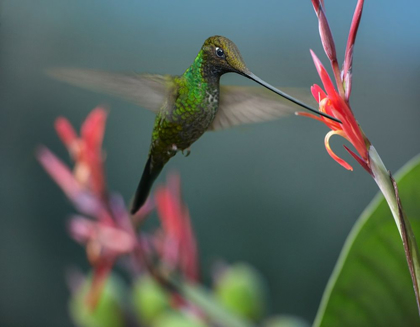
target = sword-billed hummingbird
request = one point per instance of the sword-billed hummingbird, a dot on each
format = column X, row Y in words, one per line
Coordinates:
column 187, row 105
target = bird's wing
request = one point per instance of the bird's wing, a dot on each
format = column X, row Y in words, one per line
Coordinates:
column 145, row 90
column 252, row 104
column 238, row 104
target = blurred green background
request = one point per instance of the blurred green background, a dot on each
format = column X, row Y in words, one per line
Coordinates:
column 268, row 194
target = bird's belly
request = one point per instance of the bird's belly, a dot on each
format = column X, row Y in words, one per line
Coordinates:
column 184, row 129
column 193, row 127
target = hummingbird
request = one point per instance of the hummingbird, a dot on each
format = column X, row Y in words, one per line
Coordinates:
column 188, row 105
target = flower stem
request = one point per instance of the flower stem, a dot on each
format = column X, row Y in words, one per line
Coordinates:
column 389, row 189
column 192, row 292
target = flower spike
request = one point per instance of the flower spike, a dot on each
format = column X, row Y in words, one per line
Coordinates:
column 336, row 104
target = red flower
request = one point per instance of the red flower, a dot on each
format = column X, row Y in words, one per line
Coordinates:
column 176, row 241
column 105, row 243
column 112, row 234
column 335, row 102
column 86, row 150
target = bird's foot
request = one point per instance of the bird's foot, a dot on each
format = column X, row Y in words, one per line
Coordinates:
column 186, row 152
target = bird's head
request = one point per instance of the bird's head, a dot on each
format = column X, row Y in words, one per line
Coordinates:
column 223, row 56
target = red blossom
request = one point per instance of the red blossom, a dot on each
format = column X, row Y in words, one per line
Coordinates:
column 335, row 101
column 111, row 235
column 348, row 58
column 176, row 239
column 105, row 228
column 324, row 30
column 86, row 150
column 104, row 243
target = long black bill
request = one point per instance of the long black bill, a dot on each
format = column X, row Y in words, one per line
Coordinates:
column 288, row 97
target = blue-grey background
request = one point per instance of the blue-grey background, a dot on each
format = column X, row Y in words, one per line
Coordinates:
column 268, row 194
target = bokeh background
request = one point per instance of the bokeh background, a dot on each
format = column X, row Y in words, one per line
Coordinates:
column 268, row 194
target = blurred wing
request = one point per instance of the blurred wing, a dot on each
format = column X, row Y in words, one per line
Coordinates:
column 252, row 104
column 145, row 90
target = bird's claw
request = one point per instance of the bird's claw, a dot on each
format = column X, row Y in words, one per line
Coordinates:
column 186, row 152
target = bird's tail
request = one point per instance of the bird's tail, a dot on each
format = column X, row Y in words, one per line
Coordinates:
column 143, row 189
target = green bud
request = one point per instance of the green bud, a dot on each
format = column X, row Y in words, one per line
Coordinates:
column 177, row 319
column 149, row 299
column 108, row 311
column 242, row 290
column 285, row 321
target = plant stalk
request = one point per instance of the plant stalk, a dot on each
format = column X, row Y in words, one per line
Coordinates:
column 389, row 189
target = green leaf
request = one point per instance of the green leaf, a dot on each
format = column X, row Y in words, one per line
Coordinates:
column 371, row 284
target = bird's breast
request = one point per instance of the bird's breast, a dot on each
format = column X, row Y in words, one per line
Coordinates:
column 193, row 118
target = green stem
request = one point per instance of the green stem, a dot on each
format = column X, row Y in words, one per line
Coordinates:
column 204, row 300
column 389, row 189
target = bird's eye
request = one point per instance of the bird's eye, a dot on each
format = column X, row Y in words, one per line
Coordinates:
column 219, row 52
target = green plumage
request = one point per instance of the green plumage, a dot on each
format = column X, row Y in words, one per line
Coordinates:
column 186, row 114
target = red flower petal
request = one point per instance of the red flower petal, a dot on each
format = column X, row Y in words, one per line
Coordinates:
column 100, row 275
column 114, row 238
column 93, row 129
column 81, row 229
column 348, row 58
column 178, row 238
column 323, row 74
column 318, row 93
column 359, row 160
column 326, row 35
column 331, row 153
column 59, row 172
column 307, row 114
column 67, row 134
column 92, row 133
column 62, row 175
